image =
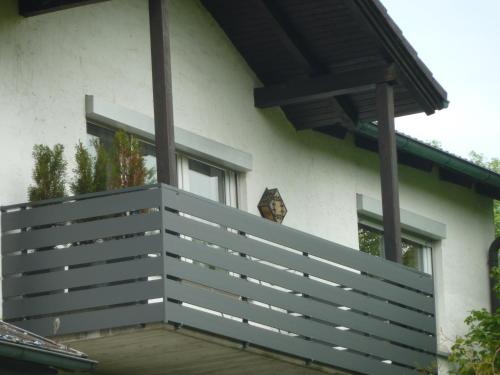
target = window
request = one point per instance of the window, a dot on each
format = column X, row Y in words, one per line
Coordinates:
column 197, row 176
column 105, row 135
column 416, row 252
column 207, row 180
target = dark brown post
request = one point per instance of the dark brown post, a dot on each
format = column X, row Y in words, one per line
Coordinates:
column 162, row 92
column 389, row 172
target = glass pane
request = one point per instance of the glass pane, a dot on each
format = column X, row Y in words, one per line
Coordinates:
column 91, row 139
column 371, row 241
column 412, row 255
column 148, row 151
column 104, row 135
column 150, row 163
column 206, row 181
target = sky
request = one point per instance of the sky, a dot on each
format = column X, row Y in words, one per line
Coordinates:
column 459, row 41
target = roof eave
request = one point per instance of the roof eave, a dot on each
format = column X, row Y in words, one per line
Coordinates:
column 406, row 58
column 441, row 158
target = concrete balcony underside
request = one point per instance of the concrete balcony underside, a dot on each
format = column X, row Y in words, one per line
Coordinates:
column 159, row 349
column 155, row 255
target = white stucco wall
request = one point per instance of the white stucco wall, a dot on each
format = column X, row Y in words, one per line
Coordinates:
column 50, row 62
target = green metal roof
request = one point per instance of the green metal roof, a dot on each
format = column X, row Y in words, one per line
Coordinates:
column 486, row 181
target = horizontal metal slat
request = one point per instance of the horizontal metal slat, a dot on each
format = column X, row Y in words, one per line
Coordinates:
column 220, row 280
column 285, row 258
column 285, row 344
column 83, row 299
column 47, row 202
column 116, row 226
column 89, row 253
column 95, row 320
column 80, row 209
column 245, row 222
column 85, row 276
column 316, row 289
column 206, row 298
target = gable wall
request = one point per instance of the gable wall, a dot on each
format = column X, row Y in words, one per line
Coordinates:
column 50, row 62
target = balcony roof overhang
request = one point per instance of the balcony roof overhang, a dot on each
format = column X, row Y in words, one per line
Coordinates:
column 321, row 60
column 325, row 55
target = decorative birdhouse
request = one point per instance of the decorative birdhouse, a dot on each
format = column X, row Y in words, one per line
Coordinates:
column 271, row 206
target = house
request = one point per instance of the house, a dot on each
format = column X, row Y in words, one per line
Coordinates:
column 23, row 353
column 184, row 276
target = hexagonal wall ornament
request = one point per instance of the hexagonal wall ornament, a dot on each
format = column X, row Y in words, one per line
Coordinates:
column 271, row 206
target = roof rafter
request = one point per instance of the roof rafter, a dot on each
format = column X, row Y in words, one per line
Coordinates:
column 293, row 40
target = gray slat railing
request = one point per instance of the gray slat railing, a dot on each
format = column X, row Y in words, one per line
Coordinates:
column 157, row 253
column 83, row 263
column 336, row 306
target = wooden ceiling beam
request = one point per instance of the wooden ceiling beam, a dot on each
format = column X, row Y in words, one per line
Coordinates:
column 30, row 8
column 322, row 87
column 291, row 38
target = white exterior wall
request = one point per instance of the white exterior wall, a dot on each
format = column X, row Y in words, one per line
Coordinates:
column 50, row 62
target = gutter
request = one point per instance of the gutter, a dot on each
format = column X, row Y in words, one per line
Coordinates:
column 440, row 157
column 493, row 263
column 45, row 357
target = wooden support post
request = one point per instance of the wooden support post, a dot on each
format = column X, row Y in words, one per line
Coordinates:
column 166, row 167
column 389, row 172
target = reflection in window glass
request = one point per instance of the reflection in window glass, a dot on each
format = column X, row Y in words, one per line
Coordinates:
column 195, row 176
column 150, row 163
column 206, row 181
column 106, row 137
column 371, row 241
column 412, row 254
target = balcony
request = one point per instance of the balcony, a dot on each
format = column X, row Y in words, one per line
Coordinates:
column 156, row 254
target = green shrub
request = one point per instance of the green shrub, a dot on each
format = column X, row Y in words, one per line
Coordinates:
column 91, row 173
column 48, row 173
column 478, row 351
column 127, row 163
column 126, row 166
column 100, row 167
column 83, row 180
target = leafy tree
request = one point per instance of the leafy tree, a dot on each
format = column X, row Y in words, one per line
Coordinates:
column 435, row 143
column 127, row 163
column 48, row 173
column 370, row 241
column 478, row 351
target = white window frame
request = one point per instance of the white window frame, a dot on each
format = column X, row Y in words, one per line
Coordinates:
column 230, row 178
